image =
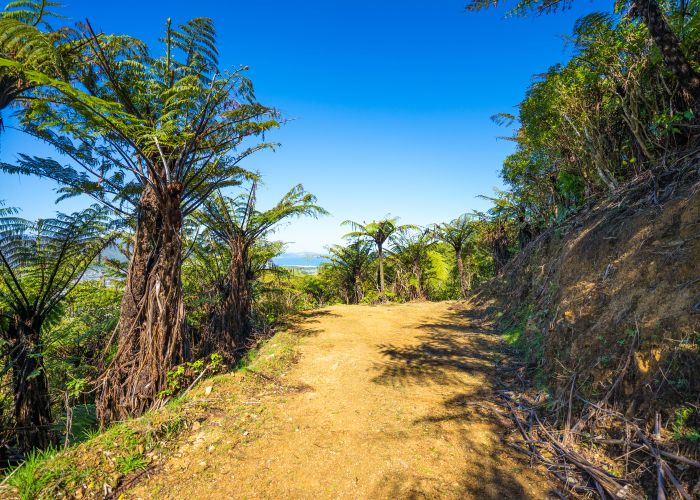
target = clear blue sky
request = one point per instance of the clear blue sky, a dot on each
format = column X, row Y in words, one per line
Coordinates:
column 389, row 101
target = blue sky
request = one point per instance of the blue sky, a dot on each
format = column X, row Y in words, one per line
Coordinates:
column 388, row 101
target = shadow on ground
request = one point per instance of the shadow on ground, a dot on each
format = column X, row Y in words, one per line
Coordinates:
column 308, row 319
column 458, row 349
column 449, row 349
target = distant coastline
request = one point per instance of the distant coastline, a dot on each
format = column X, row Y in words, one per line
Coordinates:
column 300, row 260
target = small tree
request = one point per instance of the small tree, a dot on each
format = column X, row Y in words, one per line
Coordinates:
column 380, row 232
column 347, row 268
column 411, row 252
column 456, row 234
column 40, row 263
column 238, row 226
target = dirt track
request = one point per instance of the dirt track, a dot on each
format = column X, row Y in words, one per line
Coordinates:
column 392, row 403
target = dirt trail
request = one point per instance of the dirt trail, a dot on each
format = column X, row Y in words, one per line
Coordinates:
column 391, row 404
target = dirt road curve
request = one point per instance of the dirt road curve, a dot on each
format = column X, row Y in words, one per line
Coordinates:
column 393, row 405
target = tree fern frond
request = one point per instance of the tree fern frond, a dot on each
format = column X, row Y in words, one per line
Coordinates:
column 31, row 12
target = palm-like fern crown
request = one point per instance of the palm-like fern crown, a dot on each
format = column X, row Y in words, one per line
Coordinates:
column 456, row 232
column 238, row 218
column 26, row 35
column 31, row 12
column 353, row 258
column 411, row 247
column 172, row 121
column 378, row 231
column 40, row 262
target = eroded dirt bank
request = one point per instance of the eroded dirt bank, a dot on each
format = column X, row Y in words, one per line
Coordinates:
column 384, row 402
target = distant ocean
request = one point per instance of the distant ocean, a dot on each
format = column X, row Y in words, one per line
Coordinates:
column 304, row 260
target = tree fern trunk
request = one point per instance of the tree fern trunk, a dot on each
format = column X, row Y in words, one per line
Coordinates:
column 670, row 47
column 152, row 337
column 381, row 271
column 460, row 270
column 357, row 289
column 231, row 326
column 241, row 294
column 419, row 282
column 32, row 406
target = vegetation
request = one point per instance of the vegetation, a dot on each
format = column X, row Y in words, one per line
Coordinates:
column 238, row 232
column 457, row 234
column 348, row 270
column 27, row 38
column 380, row 232
column 40, row 263
column 110, row 313
column 101, row 464
column 166, row 132
column 150, row 138
column 615, row 111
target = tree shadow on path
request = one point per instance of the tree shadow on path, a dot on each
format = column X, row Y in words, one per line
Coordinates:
column 459, row 350
column 303, row 324
column 449, row 351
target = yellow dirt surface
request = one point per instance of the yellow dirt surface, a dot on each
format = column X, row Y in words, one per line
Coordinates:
column 385, row 402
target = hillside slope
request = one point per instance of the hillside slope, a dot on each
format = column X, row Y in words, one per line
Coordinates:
column 606, row 312
column 621, row 278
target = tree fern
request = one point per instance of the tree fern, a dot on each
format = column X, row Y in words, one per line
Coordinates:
column 380, row 232
column 238, row 234
column 151, row 137
column 31, row 12
column 348, row 267
column 40, row 263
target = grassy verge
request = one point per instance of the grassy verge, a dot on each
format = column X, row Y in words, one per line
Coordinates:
column 113, row 460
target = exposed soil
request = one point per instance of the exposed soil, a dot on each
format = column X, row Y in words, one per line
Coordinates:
column 623, row 275
column 384, row 402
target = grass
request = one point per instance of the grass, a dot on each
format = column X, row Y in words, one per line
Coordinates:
column 84, row 424
column 107, row 458
column 682, row 426
column 528, row 344
column 132, row 463
column 513, row 334
column 28, row 480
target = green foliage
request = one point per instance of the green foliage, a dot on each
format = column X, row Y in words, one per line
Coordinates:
column 411, row 264
column 41, row 263
column 182, row 376
column 30, row 478
column 83, row 423
column 44, row 260
column 108, row 456
column 75, row 343
column 172, row 121
column 614, row 111
column 348, row 271
column 528, row 342
column 442, row 282
column 686, row 424
column 231, row 269
column 29, row 43
column 131, row 463
column 379, row 231
column 513, row 334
